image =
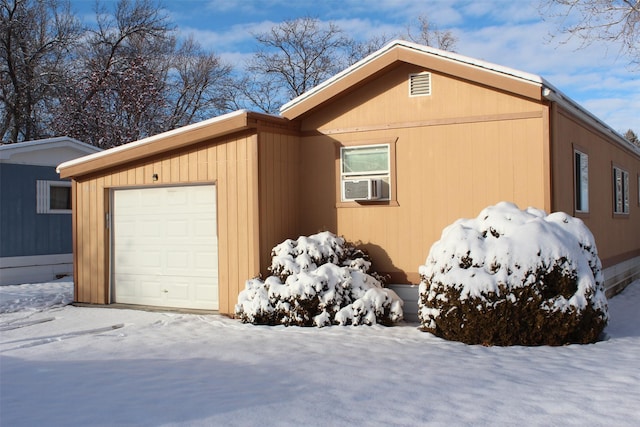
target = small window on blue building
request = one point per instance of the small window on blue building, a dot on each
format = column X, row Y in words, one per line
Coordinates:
column 53, row 197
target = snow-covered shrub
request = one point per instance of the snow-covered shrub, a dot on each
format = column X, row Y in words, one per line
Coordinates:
column 513, row 277
column 318, row 280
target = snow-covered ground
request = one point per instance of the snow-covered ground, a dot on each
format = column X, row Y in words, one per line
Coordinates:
column 62, row 365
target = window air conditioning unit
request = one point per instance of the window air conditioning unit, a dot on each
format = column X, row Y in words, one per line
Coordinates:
column 362, row 189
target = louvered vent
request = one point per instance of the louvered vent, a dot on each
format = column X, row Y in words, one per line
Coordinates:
column 420, row 84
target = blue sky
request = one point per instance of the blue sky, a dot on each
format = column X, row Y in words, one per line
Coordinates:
column 505, row 32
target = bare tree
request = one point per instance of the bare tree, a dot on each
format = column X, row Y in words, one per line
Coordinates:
column 616, row 21
column 134, row 80
column 36, row 37
column 198, row 85
column 428, row 34
column 298, row 54
column 360, row 49
column 293, row 57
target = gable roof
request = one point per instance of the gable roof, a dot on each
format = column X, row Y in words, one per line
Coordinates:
column 215, row 127
column 399, row 51
column 45, row 152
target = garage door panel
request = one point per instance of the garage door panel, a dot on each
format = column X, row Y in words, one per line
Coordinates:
column 150, row 288
column 204, row 294
column 178, row 228
column 179, row 291
column 126, row 287
column 165, row 247
column 177, row 260
column 132, row 261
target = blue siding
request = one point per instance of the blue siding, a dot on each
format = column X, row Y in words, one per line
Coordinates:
column 23, row 232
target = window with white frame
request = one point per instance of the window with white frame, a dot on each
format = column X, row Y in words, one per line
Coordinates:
column 365, row 172
column 620, row 191
column 581, row 181
column 53, row 197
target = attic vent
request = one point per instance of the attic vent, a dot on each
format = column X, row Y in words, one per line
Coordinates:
column 420, row 84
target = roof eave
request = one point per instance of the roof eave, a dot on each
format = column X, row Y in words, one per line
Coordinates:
column 170, row 140
column 555, row 95
column 7, row 150
column 525, row 84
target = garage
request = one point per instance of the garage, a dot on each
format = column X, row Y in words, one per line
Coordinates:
column 165, row 247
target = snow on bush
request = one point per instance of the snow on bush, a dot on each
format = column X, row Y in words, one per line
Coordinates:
column 318, row 280
column 514, row 277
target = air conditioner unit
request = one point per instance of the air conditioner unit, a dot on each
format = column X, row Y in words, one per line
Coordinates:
column 362, row 189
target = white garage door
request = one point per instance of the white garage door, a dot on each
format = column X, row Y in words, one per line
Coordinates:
column 165, row 247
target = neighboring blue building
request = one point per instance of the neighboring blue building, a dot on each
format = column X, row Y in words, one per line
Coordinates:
column 35, row 210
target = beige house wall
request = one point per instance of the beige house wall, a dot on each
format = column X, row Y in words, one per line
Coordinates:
column 279, row 170
column 230, row 163
column 480, row 138
column 457, row 151
column 617, row 236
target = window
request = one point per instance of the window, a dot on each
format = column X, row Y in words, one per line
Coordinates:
column 53, row 197
column 581, row 181
column 365, row 172
column 620, row 191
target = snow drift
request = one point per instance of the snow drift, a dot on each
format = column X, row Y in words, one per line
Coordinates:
column 514, row 277
column 318, row 280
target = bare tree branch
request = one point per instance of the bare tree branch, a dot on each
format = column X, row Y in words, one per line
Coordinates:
column 612, row 21
column 428, row 34
column 35, row 38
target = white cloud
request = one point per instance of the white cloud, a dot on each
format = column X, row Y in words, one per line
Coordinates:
column 504, row 32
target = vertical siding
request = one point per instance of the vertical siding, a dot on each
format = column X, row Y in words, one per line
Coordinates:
column 617, row 236
column 445, row 173
column 279, row 169
column 461, row 149
column 24, row 232
column 229, row 163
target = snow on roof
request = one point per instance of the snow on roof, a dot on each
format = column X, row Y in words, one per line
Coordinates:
column 506, row 71
column 37, row 144
column 151, row 139
column 45, row 152
column 549, row 91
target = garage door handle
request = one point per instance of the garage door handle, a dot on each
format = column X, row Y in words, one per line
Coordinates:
column 165, row 291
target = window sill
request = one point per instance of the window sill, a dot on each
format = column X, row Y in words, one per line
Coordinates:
column 367, row 203
column 581, row 214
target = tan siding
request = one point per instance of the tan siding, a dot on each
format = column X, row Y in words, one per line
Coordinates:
column 397, row 55
column 443, row 173
column 85, row 242
column 386, row 102
column 279, row 169
column 224, row 254
column 74, row 235
column 317, row 184
column 617, row 237
column 227, row 162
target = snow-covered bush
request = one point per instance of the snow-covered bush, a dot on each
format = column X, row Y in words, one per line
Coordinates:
column 513, row 277
column 318, row 280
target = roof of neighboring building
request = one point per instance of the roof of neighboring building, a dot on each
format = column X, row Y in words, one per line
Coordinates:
column 45, row 152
